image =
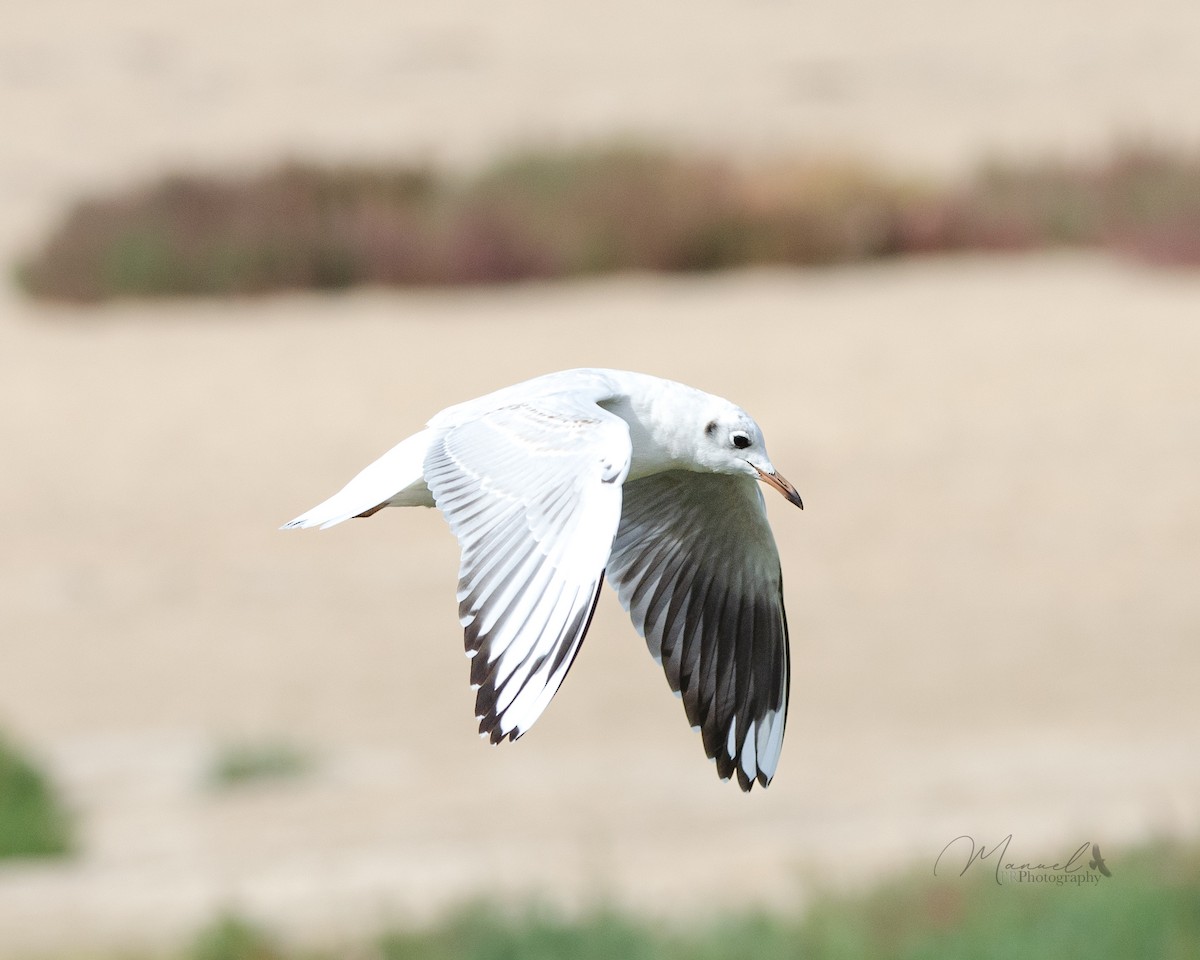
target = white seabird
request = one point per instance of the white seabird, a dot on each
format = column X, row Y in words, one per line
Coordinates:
column 550, row 484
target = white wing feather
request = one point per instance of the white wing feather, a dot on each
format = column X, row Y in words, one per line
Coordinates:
column 397, row 477
column 532, row 491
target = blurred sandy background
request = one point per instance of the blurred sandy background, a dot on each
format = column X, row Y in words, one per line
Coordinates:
column 992, row 591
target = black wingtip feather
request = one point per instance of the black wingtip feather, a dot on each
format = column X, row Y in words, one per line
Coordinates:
column 483, row 671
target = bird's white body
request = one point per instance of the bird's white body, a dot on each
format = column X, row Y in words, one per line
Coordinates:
column 550, row 482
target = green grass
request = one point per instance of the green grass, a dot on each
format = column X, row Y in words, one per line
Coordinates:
column 588, row 211
column 33, row 821
column 237, row 764
column 231, row 937
column 1149, row 909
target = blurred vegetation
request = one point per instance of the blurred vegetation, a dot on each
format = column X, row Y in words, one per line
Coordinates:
column 33, row 821
column 231, row 937
column 241, row 763
column 1149, row 909
column 590, row 211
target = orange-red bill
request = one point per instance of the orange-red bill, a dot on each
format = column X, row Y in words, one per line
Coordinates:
column 780, row 483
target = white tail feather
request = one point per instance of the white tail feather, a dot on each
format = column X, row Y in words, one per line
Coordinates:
column 395, row 479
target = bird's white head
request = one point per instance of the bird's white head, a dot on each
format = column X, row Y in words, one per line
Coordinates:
column 732, row 442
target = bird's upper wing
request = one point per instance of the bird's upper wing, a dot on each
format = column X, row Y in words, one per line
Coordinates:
column 696, row 566
column 532, row 491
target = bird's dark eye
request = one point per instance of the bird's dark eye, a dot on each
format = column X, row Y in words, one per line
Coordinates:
column 740, row 440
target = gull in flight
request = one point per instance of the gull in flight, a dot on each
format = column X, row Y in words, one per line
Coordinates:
column 552, row 483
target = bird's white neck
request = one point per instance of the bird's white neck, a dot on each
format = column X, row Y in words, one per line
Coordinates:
column 662, row 440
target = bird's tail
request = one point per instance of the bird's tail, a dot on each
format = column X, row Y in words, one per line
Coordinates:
column 395, row 479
